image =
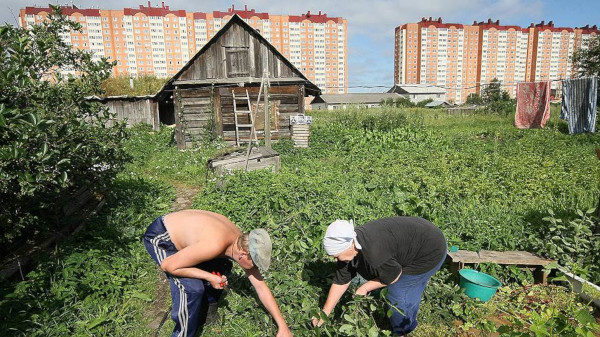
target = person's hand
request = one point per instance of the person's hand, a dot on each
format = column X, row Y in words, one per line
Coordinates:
column 317, row 322
column 360, row 292
column 218, row 281
column 284, row 332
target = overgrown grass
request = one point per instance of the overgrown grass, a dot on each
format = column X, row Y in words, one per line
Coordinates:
column 99, row 281
column 485, row 183
column 157, row 156
column 142, row 85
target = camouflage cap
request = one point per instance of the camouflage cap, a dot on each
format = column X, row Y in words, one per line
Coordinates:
column 260, row 247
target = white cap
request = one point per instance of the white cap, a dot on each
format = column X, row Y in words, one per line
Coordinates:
column 339, row 237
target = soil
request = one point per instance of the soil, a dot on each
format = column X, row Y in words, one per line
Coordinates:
column 160, row 305
column 184, row 196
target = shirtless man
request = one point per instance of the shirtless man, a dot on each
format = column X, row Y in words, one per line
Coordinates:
column 194, row 247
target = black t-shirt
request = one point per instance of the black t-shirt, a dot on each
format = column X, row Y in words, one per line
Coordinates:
column 391, row 246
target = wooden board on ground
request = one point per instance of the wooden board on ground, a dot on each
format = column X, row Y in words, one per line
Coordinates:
column 261, row 158
column 518, row 258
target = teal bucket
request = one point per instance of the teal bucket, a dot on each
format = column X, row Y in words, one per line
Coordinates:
column 478, row 285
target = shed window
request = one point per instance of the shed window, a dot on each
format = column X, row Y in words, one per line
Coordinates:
column 237, row 61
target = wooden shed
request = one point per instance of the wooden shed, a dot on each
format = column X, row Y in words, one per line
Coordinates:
column 133, row 109
column 234, row 61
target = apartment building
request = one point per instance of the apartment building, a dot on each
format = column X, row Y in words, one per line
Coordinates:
column 160, row 40
column 460, row 58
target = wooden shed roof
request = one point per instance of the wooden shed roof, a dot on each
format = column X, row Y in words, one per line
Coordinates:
column 354, row 98
column 237, row 20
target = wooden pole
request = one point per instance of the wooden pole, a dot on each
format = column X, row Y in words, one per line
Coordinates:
column 253, row 128
column 267, row 115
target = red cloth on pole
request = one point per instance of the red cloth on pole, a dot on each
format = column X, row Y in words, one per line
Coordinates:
column 533, row 105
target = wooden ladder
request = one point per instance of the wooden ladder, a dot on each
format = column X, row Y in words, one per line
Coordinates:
column 244, row 113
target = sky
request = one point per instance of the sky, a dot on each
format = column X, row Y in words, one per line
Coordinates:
column 371, row 23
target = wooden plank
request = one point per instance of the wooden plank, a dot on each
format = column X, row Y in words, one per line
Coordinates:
column 507, row 257
column 267, row 152
column 194, row 93
column 218, row 114
column 465, row 256
column 513, row 257
column 197, row 116
column 301, row 100
column 244, row 79
column 197, row 109
column 195, row 101
column 178, row 127
column 231, row 159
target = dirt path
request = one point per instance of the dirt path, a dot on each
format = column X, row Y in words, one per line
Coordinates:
column 161, row 304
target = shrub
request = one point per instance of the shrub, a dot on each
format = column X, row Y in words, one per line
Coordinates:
column 52, row 139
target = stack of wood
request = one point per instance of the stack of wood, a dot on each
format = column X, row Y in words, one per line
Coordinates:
column 301, row 134
column 300, row 125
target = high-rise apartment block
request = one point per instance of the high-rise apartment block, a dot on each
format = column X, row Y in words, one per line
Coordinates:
column 462, row 58
column 159, row 40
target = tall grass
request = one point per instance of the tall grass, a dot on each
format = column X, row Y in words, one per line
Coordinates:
column 142, row 85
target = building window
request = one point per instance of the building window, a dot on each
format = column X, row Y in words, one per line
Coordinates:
column 237, row 61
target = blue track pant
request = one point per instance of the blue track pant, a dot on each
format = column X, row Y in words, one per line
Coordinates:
column 189, row 294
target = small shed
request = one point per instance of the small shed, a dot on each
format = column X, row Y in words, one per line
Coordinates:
column 132, row 109
column 439, row 104
column 233, row 62
column 342, row 101
column 419, row 92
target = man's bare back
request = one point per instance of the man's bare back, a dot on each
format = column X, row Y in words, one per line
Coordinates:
column 201, row 236
column 201, row 228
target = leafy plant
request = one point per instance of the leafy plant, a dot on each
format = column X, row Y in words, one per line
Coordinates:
column 52, row 139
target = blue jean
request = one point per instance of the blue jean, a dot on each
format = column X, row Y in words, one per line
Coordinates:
column 189, row 294
column 405, row 294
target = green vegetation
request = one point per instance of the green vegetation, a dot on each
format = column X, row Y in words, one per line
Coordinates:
column 487, row 184
column 100, row 281
column 52, row 140
column 497, row 100
column 142, row 85
column 403, row 102
column 587, row 60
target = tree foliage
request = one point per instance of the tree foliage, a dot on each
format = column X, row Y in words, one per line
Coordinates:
column 587, row 60
column 474, row 99
column 496, row 99
column 52, row 139
column 403, row 102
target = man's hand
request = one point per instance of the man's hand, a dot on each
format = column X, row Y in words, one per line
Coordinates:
column 317, row 322
column 284, row 332
column 218, row 281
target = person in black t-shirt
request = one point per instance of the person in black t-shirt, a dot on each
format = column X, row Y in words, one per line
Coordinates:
column 400, row 253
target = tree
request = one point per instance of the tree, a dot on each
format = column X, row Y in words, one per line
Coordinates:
column 52, row 139
column 587, row 60
column 403, row 102
column 497, row 100
column 474, row 98
column 493, row 92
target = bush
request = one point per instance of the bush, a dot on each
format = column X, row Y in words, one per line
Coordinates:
column 474, row 99
column 52, row 139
